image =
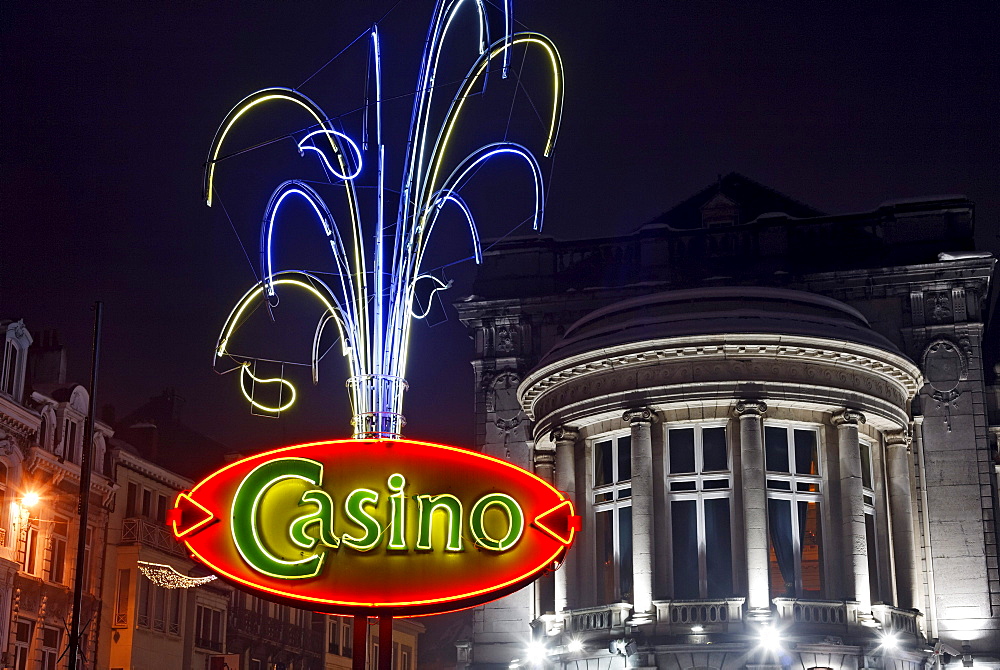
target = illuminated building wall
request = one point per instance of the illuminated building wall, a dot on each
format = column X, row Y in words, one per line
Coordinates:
column 41, row 442
column 774, row 423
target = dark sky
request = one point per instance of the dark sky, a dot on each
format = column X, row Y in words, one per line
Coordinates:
column 109, row 109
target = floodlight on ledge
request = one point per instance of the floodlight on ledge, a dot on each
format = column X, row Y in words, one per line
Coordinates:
column 374, row 270
column 30, row 499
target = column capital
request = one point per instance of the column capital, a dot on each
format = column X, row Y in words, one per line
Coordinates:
column 564, row 434
column 847, row 416
column 750, row 408
column 897, row 438
column 639, row 415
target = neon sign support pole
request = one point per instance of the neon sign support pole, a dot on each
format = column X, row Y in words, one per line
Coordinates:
column 86, row 468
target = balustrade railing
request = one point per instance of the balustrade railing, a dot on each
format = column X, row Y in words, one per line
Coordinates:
column 149, row 533
column 268, row 629
column 699, row 616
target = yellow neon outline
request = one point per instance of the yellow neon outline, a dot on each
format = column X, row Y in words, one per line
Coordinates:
column 484, row 539
column 253, row 523
column 391, row 604
column 245, row 370
column 350, row 540
column 425, row 498
column 197, row 526
column 309, row 519
column 397, row 512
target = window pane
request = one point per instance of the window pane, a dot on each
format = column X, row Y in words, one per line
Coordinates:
column 715, row 484
column 602, row 464
column 605, row 556
column 781, row 550
column 805, row 453
column 812, row 550
column 866, row 465
column 683, row 486
column 625, row 552
column 718, row 541
column 624, row 458
column 684, row 533
column 681, row 450
column 873, row 581
column 775, row 449
column 714, row 449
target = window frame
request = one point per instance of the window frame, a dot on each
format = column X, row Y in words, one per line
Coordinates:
column 794, row 494
column 620, row 492
column 699, row 495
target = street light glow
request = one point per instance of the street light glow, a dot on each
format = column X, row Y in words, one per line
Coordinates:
column 30, row 499
column 769, row 638
column 536, row 653
column 575, row 645
column 889, row 642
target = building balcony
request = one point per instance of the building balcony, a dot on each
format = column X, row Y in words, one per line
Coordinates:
column 904, row 624
column 683, row 617
column 250, row 624
column 586, row 622
column 137, row 530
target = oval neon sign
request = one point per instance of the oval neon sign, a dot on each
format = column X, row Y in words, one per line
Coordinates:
column 375, row 526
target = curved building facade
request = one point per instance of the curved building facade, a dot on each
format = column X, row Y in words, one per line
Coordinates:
column 775, row 467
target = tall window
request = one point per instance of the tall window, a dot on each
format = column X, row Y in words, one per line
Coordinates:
column 700, row 486
column 613, row 517
column 8, row 383
column 333, row 645
column 4, row 505
column 347, row 637
column 794, row 496
column 868, row 495
column 31, row 547
column 208, row 628
column 57, row 564
column 22, row 644
column 50, row 647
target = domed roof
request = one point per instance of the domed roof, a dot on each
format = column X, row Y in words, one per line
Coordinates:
column 717, row 311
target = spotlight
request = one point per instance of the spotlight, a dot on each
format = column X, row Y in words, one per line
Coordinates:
column 536, row 653
column 889, row 642
column 575, row 646
column 769, row 638
column 30, row 499
column 697, row 628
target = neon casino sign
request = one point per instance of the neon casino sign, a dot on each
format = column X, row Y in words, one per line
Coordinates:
column 396, row 527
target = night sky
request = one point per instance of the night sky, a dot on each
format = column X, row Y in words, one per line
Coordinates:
column 109, row 109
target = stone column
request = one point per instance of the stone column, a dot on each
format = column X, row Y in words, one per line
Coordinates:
column 751, row 413
column 901, row 513
column 854, row 544
column 642, row 513
column 543, row 586
column 567, row 581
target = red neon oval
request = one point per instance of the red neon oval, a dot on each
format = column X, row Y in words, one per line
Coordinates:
column 383, row 581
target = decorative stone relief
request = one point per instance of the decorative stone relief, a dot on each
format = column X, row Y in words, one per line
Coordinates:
column 501, row 385
column 564, row 434
column 504, row 340
column 751, row 408
column 945, row 365
column 639, row 414
column 848, row 416
column 938, row 306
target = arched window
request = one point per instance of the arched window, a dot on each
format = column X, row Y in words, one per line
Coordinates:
column 794, row 519
column 613, row 517
column 699, row 486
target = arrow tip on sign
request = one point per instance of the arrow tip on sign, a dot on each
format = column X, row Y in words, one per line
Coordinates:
column 188, row 516
column 559, row 522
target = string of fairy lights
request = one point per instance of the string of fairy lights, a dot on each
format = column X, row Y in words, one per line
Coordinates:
column 370, row 293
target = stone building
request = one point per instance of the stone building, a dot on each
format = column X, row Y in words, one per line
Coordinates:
column 775, row 424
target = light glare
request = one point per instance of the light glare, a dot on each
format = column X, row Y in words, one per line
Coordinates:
column 30, row 499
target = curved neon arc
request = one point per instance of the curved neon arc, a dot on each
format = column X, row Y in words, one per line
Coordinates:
column 245, row 371
column 451, row 196
column 326, row 161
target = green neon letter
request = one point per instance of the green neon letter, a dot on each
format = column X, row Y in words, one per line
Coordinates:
column 246, row 504
column 321, row 516
column 354, row 507
column 446, row 503
column 397, row 523
column 515, row 521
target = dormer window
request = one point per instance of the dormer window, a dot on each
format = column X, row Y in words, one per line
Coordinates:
column 15, row 356
column 719, row 212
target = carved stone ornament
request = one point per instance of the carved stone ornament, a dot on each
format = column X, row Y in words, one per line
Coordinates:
column 938, row 306
column 945, row 366
column 506, row 426
column 639, row 414
column 850, row 417
column 750, row 408
column 503, row 383
column 504, row 340
column 564, row 434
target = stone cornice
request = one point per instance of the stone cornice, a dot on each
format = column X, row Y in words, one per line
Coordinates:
column 888, row 366
column 17, row 418
column 60, row 470
column 155, row 472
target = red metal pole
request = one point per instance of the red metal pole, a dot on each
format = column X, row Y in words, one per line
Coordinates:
column 360, row 643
